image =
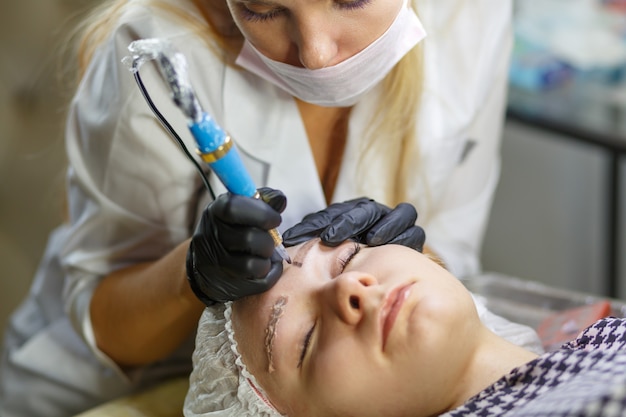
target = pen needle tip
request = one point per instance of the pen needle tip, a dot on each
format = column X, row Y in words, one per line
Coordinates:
column 283, row 253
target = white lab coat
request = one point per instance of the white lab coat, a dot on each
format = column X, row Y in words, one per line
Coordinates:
column 133, row 195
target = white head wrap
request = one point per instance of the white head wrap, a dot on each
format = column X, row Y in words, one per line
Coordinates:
column 220, row 384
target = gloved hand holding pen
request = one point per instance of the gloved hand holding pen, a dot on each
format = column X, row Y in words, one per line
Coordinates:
column 232, row 254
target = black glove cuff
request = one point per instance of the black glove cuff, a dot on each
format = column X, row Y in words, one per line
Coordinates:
column 193, row 282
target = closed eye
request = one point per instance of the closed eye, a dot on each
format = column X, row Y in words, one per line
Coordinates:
column 305, row 344
column 267, row 12
column 355, row 4
column 343, row 262
column 254, row 16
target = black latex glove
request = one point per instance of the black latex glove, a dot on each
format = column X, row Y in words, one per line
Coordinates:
column 363, row 220
column 231, row 254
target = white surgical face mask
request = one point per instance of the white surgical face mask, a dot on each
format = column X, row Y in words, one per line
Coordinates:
column 340, row 85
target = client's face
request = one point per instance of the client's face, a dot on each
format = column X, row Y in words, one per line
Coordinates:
column 358, row 331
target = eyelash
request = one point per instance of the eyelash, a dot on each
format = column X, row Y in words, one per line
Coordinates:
column 356, row 248
column 262, row 17
column 251, row 16
column 305, row 345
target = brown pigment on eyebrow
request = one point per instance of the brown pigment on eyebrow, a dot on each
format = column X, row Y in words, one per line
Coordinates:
column 298, row 259
column 270, row 333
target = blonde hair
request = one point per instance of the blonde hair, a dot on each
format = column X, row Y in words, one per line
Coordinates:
column 100, row 22
column 94, row 30
column 391, row 134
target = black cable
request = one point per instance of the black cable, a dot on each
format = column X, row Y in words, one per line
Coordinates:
column 171, row 130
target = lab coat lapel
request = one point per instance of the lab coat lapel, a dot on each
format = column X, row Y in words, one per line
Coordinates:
column 267, row 128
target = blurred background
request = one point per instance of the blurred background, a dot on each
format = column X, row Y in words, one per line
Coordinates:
column 33, row 97
column 559, row 213
column 560, row 207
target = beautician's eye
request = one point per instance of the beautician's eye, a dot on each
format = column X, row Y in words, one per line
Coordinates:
column 352, row 4
column 343, row 262
column 260, row 13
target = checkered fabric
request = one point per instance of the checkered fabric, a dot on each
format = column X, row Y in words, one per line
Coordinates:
column 585, row 377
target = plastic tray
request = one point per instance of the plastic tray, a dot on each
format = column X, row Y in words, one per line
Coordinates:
column 530, row 302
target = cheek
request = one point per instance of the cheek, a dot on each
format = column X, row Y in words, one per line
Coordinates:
column 362, row 392
column 347, row 380
column 448, row 302
column 270, row 38
column 343, row 388
column 442, row 315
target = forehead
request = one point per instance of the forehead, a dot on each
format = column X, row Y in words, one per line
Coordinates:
column 254, row 311
column 248, row 324
column 252, row 314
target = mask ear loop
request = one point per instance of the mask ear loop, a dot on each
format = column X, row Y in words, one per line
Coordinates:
column 170, row 129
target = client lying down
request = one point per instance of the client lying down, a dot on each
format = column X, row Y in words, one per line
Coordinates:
column 385, row 331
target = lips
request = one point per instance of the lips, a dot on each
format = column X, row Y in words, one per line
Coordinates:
column 391, row 308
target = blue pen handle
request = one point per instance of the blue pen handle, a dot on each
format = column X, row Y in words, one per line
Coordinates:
column 215, row 147
column 218, row 150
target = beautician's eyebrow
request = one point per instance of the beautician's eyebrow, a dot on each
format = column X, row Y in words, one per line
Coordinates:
column 267, row 3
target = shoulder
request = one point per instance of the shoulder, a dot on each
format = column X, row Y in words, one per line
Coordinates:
column 465, row 39
column 466, row 54
column 176, row 21
column 439, row 16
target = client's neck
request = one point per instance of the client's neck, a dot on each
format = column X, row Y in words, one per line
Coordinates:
column 494, row 358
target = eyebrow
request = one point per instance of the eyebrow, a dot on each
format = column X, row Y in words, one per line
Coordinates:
column 270, row 331
column 259, row 2
column 298, row 259
column 279, row 307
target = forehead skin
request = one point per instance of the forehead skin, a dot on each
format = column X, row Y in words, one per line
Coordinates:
column 255, row 359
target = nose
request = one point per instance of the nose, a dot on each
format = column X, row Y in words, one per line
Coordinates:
column 317, row 47
column 348, row 294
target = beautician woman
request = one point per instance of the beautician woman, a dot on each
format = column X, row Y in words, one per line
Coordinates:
column 327, row 100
